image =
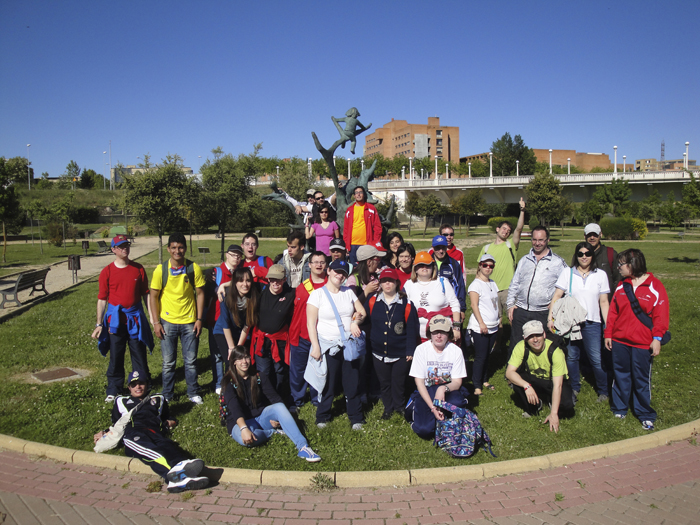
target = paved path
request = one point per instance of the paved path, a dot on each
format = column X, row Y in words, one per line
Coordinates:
column 660, row 485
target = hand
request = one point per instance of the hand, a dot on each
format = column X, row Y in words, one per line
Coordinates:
column 171, row 423
column 96, row 333
column 98, row 436
column 197, row 328
column 483, row 328
column 158, row 331
column 437, row 413
column 510, row 313
column 297, row 209
column 247, row 436
column 522, row 204
column 553, row 420
column 532, row 396
column 550, row 325
column 457, row 333
column 221, row 293
column 316, row 352
column 409, row 358
column 608, row 343
column 461, row 317
column 655, row 347
column 355, row 330
column 370, row 288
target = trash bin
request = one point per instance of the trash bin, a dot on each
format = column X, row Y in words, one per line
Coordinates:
column 86, row 245
column 74, row 262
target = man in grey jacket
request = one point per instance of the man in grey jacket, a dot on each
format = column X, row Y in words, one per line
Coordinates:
column 532, row 287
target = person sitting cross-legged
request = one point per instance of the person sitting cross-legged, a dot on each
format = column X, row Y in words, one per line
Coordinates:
column 538, row 372
column 145, row 439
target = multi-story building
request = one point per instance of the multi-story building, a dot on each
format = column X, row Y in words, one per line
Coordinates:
column 657, row 165
column 398, row 137
column 117, row 175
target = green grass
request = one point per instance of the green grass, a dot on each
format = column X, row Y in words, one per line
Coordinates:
column 56, row 333
column 24, row 254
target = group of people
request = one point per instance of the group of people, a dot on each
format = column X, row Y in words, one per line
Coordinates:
column 361, row 316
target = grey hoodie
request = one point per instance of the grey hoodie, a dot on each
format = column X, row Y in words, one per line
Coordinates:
column 532, row 287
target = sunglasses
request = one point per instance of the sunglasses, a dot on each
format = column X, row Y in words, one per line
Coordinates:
column 583, row 254
column 488, row 265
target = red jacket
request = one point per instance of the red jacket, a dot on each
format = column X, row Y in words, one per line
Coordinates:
column 298, row 328
column 624, row 327
column 372, row 223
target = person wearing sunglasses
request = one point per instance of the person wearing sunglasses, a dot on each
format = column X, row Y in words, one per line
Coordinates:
column 485, row 320
column 323, row 228
column 605, row 256
column 588, row 284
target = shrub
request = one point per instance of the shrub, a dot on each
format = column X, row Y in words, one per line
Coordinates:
column 273, row 231
column 494, row 221
column 534, row 222
column 640, row 227
column 84, row 215
column 619, row 228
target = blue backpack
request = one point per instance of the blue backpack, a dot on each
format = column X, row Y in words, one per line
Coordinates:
column 462, row 434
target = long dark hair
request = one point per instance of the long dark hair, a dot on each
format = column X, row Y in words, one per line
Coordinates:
column 232, row 296
column 389, row 254
column 588, row 246
column 231, row 376
column 362, row 272
column 324, row 206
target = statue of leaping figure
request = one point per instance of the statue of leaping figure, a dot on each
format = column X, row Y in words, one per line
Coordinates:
column 353, row 127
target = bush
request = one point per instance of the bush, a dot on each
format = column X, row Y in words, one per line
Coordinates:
column 84, row 215
column 623, row 228
column 273, row 231
column 534, row 222
column 494, row 221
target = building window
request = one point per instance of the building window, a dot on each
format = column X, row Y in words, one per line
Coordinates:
column 439, row 142
column 438, row 133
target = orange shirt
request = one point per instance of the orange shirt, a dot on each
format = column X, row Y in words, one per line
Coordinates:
column 359, row 229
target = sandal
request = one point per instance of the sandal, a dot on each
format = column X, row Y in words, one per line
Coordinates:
column 489, row 386
column 480, row 393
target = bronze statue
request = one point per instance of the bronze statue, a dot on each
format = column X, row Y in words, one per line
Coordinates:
column 353, row 128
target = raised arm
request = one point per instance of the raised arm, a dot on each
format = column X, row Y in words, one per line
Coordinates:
column 521, row 224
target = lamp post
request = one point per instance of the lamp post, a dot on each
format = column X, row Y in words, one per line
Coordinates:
column 410, row 167
column 421, row 173
column 470, row 169
column 278, row 170
column 362, row 164
column 687, row 158
column 348, row 168
column 436, row 171
column 403, row 174
column 104, row 177
column 490, row 165
column 550, row 161
column 624, row 163
column 615, row 167
column 568, row 166
column 517, row 168
column 29, row 176
column 333, row 161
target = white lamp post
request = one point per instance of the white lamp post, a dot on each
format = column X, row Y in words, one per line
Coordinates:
column 568, row 166
column 687, row 158
column 550, row 161
column 104, row 177
column 403, row 172
column 624, row 163
column 615, row 167
column 421, row 173
column 348, row 168
column 29, row 176
column 278, row 170
column 470, row 170
column 410, row 167
column 362, row 164
column 490, row 165
column 517, row 168
column 333, row 160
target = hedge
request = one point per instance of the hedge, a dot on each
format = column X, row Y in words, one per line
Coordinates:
column 623, row 228
column 273, row 232
column 494, row 221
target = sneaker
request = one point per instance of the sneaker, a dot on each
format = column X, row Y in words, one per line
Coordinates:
column 648, row 425
column 110, row 398
column 188, row 484
column 197, row 400
column 357, row 426
column 620, row 416
column 218, row 391
column 575, row 396
column 322, row 425
column 309, row 455
column 190, row 468
column 602, row 398
column 527, row 415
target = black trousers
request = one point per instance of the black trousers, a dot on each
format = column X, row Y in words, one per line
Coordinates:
column 346, row 373
column 117, row 352
column 543, row 389
column 392, row 383
column 520, row 317
column 154, row 449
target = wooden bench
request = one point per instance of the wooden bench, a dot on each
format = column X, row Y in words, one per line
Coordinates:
column 34, row 279
column 103, row 247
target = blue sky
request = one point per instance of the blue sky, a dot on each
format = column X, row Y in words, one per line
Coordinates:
column 184, row 77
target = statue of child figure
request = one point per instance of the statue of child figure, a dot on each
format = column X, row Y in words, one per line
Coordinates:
column 353, row 127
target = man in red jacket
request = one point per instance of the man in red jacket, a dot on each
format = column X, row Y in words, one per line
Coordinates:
column 362, row 225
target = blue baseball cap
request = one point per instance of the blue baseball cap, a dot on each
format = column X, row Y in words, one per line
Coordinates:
column 339, row 266
column 119, row 240
column 137, row 375
column 440, row 240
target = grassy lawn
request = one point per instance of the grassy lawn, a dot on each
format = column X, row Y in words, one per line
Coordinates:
column 69, row 413
column 26, row 254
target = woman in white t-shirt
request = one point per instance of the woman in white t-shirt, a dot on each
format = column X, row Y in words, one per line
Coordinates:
column 485, row 320
column 589, row 286
column 438, row 369
column 432, row 295
column 325, row 338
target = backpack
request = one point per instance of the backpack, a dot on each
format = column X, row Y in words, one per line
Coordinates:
column 510, row 249
column 407, row 310
column 462, row 434
column 189, row 270
column 556, row 342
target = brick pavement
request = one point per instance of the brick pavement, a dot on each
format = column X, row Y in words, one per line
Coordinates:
column 660, row 485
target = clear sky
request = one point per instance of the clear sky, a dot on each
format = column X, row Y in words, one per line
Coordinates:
column 159, row 77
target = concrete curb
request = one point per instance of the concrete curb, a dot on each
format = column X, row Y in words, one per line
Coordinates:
column 386, row 478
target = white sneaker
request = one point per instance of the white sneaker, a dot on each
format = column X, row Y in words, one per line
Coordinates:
column 197, row 400
column 188, row 484
column 218, row 391
column 357, row 426
column 110, row 398
column 322, row 425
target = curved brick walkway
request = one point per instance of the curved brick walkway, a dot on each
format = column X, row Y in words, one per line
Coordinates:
column 660, row 485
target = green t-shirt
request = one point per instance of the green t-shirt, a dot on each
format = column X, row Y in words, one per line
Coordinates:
column 539, row 364
column 505, row 266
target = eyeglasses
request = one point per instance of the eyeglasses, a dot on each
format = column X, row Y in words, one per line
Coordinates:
column 448, row 234
column 324, row 211
column 620, row 265
column 488, row 265
column 583, row 254
column 250, row 244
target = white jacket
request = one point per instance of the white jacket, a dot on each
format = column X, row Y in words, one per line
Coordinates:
column 568, row 314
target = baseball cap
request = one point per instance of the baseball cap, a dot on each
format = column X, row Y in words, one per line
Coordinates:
column 339, row 266
column 137, row 375
column 235, row 248
column 276, row 271
column 338, row 244
column 423, row 258
column 367, row 252
column 440, row 323
column 439, row 240
column 389, row 273
column 532, row 328
column 119, row 240
column 487, row 257
column 592, row 228
column 310, row 192
column 379, row 246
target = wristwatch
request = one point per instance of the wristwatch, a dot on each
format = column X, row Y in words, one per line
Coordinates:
column 98, row 325
column 447, row 388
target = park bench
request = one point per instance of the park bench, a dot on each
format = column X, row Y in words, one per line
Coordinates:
column 34, row 279
column 102, row 246
column 681, row 235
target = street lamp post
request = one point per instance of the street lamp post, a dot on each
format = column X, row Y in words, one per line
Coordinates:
column 421, row 173
column 410, row 167
column 490, row 165
column 104, row 177
column 362, row 164
column 624, row 163
column 550, row 161
column 29, row 171
column 470, row 169
column 278, row 170
column 568, row 166
column 687, row 158
column 333, row 161
column 436, row 171
column 517, row 168
column 403, row 172
column 348, row 168
column 615, row 167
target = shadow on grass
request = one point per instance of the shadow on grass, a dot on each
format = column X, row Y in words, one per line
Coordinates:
column 683, row 260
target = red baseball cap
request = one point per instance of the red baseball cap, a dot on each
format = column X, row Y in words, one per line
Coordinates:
column 389, row 273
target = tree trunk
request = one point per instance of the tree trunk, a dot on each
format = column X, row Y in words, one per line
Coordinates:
column 4, row 243
column 466, row 220
column 64, row 235
column 425, row 228
column 31, row 225
column 160, row 246
column 223, row 235
column 409, row 224
column 191, row 247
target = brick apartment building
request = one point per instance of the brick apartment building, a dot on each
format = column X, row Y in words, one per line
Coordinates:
column 398, row 137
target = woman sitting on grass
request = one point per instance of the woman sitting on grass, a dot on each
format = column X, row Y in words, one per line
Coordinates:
column 254, row 410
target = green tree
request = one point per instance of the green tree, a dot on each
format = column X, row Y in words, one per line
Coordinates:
column 426, row 207
column 617, row 194
column 498, row 209
column 294, row 178
column 156, row 196
column 44, row 183
column 61, row 210
column 36, row 211
column 506, row 151
column 9, row 202
column 543, row 197
column 469, row 204
column 88, row 179
column 16, row 169
column 69, row 178
column 691, row 195
column 670, row 212
column 226, row 185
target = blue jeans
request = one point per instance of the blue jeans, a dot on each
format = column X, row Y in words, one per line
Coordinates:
column 168, row 347
column 217, row 364
column 263, row 431
column 591, row 343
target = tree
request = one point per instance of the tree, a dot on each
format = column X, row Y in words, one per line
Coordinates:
column 88, row 179
column 44, row 183
column 226, row 185
column 506, row 151
column 669, row 211
column 617, row 194
column 35, row 210
column 469, row 204
column 16, row 169
column 691, row 195
column 9, row 202
column 156, row 196
column 70, row 177
column 294, row 178
column 543, row 194
column 61, row 210
column 426, row 207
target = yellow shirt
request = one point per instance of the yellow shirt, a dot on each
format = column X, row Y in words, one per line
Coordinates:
column 539, row 364
column 177, row 304
column 359, row 230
